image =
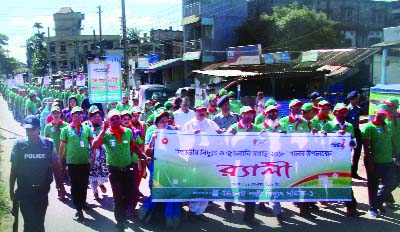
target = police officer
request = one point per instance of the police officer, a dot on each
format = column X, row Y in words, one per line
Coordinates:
column 31, row 169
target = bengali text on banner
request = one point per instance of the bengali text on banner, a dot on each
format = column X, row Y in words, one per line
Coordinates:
column 251, row 167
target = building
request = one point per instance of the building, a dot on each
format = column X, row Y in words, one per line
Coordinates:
column 386, row 66
column 170, row 41
column 362, row 20
column 209, row 28
column 69, row 49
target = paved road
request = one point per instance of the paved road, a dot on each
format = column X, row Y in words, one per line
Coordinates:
column 60, row 216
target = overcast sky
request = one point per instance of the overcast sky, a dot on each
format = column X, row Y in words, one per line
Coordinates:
column 18, row 16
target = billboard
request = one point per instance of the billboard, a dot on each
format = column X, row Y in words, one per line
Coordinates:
column 105, row 79
column 243, row 55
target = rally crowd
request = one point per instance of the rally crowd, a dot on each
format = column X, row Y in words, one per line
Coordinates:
column 85, row 148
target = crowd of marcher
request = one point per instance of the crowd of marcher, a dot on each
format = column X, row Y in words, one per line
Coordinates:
column 90, row 147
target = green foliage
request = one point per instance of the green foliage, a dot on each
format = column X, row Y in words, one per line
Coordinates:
column 133, row 35
column 37, row 56
column 291, row 28
column 8, row 66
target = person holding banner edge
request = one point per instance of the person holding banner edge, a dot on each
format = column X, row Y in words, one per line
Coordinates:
column 245, row 124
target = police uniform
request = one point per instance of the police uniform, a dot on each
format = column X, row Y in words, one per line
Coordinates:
column 31, row 165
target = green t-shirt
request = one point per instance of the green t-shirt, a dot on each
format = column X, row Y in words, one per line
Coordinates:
column 260, row 118
column 237, row 126
column 118, row 154
column 295, row 127
column 334, row 126
column 122, row 107
column 54, row 132
column 31, row 107
column 319, row 123
column 381, row 142
column 265, row 127
column 235, row 105
column 395, row 133
column 76, row 154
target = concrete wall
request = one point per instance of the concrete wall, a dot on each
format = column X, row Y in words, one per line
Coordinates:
column 393, row 69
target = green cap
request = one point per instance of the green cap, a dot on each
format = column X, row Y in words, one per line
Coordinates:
column 113, row 113
column 126, row 112
column 307, row 106
column 295, row 102
column 55, row 108
column 168, row 104
column 31, row 94
column 270, row 102
column 392, row 102
column 247, row 109
column 125, row 94
column 211, row 96
column 324, row 103
column 340, row 107
column 76, row 109
column 93, row 109
column 160, row 113
column 223, row 92
column 271, row 107
column 72, row 96
column 231, row 94
column 382, row 109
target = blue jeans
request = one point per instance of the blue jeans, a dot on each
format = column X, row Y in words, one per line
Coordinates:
column 386, row 175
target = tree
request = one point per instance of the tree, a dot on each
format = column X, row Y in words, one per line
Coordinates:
column 37, row 56
column 133, row 37
column 8, row 66
column 38, row 26
column 291, row 28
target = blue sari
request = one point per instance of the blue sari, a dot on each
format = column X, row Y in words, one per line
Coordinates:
column 170, row 210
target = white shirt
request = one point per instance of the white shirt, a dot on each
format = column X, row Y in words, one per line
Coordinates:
column 181, row 118
column 205, row 125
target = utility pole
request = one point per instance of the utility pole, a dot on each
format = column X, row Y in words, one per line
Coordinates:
column 125, row 46
column 100, row 33
column 48, row 50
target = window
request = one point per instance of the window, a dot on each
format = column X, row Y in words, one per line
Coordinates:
column 63, row 47
column 52, row 47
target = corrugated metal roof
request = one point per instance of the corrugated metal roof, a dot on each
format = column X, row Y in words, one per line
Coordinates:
column 64, row 10
column 334, row 70
column 339, row 57
column 226, row 73
column 387, row 44
column 165, row 64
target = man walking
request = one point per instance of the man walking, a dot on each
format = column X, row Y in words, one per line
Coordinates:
column 31, row 169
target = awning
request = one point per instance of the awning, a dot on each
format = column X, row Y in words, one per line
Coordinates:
column 165, row 64
column 189, row 20
column 191, row 56
column 387, row 44
column 227, row 73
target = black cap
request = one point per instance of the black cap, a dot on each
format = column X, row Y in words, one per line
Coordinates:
column 31, row 121
column 315, row 96
column 222, row 100
column 352, row 94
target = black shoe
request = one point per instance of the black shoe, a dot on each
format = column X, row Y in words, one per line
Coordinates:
column 264, row 208
column 354, row 213
column 381, row 209
column 251, row 221
column 79, row 215
column 120, row 226
column 228, row 207
column 357, row 177
column 307, row 215
column 314, row 207
column 280, row 219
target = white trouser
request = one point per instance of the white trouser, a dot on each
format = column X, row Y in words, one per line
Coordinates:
column 198, row 207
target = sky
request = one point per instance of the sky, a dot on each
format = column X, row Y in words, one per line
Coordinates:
column 18, row 16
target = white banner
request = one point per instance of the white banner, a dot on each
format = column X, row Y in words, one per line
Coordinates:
column 252, row 167
column 80, row 80
column 19, row 80
column 68, row 82
column 46, row 81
